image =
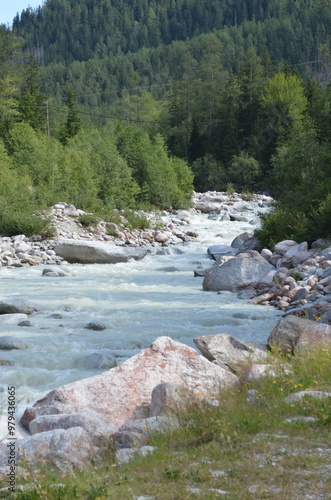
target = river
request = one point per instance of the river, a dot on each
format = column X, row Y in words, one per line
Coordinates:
column 137, row 301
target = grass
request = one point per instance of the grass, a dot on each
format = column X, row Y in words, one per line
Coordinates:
column 234, row 451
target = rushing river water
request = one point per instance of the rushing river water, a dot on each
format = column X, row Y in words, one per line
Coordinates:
column 138, row 301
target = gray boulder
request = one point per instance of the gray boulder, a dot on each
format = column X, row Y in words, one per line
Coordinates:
column 168, row 398
column 97, row 427
column 239, row 240
column 283, row 246
column 54, row 272
column 251, row 244
column 298, row 396
column 216, row 251
column 227, row 352
column 242, row 271
column 12, row 319
column 293, row 334
column 65, row 450
column 8, row 342
column 17, row 306
column 98, row 327
column 96, row 252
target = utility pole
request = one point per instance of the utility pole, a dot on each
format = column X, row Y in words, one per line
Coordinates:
column 48, row 130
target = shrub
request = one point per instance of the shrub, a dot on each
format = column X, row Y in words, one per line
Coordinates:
column 14, row 222
column 88, row 220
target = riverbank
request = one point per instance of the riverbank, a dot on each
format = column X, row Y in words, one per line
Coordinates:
column 258, row 442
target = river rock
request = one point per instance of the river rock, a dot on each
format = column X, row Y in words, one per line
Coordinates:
column 97, row 361
column 115, row 394
column 137, row 432
column 251, row 244
column 293, row 334
column 12, row 319
column 8, row 342
column 283, row 246
column 96, row 252
column 298, row 396
column 97, row 428
column 98, row 327
column 151, row 424
column 6, row 362
column 227, row 352
column 242, row 271
column 239, row 240
column 168, row 398
column 14, row 306
column 216, row 251
column 54, row 272
column 62, row 449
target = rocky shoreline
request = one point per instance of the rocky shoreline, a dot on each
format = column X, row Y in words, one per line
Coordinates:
column 20, row 250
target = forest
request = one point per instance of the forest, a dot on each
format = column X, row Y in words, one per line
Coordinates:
column 117, row 104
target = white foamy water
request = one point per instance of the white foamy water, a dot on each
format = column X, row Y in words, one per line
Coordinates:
column 138, row 301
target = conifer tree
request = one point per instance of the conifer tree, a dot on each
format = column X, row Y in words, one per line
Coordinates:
column 73, row 124
column 32, row 100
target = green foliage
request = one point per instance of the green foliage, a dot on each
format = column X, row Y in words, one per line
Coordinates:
column 15, row 220
column 73, row 124
column 163, row 182
column 209, row 174
column 32, row 101
column 111, row 231
column 230, row 189
column 10, row 52
column 285, row 222
column 135, row 220
column 244, row 172
column 17, row 199
column 88, row 220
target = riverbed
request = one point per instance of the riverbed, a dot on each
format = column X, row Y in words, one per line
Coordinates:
column 137, row 301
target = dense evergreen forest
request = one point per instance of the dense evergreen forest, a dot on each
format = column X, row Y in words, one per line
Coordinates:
column 129, row 103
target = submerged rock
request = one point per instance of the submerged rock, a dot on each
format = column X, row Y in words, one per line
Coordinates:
column 8, row 342
column 17, row 306
column 97, row 361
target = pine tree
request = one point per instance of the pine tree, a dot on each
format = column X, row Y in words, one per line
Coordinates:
column 73, row 124
column 31, row 102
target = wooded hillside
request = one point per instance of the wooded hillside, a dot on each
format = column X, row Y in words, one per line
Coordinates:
column 237, row 92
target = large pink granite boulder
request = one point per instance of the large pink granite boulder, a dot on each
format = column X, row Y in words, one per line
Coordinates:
column 117, row 394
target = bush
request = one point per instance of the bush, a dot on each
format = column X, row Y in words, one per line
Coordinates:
column 282, row 224
column 87, row 220
column 244, row 171
column 14, row 222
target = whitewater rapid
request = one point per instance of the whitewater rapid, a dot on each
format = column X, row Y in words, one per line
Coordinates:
column 138, row 301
